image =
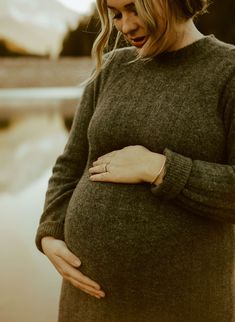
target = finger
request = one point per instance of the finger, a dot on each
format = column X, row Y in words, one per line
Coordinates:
column 68, row 271
column 105, row 176
column 86, row 289
column 85, row 280
column 105, row 158
column 101, row 161
column 68, row 256
column 98, row 168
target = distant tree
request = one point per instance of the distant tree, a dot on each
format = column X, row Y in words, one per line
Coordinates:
column 79, row 42
column 5, row 51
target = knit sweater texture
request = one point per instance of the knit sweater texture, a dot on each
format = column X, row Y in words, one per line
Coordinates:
column 161, row 253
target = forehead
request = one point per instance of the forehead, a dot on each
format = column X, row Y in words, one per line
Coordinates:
column 120, row 4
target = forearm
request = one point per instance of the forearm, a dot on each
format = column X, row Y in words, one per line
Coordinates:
column 66, row 172
column 204, row 188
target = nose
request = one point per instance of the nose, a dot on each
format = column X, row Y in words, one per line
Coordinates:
column 128, row 25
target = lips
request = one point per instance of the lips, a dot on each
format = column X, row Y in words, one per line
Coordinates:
column 138, row 41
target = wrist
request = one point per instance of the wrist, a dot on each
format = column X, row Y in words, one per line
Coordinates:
column 155, row 169
column 160, row 178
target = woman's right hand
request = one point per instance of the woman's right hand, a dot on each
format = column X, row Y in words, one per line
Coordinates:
column 66, row 264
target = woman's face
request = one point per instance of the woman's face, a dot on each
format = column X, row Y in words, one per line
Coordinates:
column 126, row 21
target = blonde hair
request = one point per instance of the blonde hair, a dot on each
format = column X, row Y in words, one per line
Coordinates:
column 160, row 26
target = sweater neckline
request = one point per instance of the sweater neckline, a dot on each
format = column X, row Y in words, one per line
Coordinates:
column 194, row 48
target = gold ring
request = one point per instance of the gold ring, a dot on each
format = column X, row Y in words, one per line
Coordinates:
column 106, row 166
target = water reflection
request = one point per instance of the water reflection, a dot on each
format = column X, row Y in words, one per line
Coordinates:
column 30, row 283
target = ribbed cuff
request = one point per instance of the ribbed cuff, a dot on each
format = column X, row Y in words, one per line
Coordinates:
column 178, row 168
column 50, row 228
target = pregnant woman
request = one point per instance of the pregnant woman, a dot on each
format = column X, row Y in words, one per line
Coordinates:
column 139, row 209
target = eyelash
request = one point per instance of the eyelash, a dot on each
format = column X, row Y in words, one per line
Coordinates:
column 118, row 16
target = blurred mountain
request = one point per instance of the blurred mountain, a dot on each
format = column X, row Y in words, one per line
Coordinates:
column 35, row 27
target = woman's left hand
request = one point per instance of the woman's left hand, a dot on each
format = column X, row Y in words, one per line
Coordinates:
column 132, row 164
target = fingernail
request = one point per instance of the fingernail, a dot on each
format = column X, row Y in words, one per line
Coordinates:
column 77, row 263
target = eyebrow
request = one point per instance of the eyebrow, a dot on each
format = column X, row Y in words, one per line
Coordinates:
column 127, row 6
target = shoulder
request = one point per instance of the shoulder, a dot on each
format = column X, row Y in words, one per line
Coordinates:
column 222, row 46
column 121, row 55
column 115, row 63
column 226, row 62
column 226, row 57
column 218, row 63
column 222, row 52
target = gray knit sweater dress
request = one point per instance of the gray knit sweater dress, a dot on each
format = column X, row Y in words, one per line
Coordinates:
column 161, row 253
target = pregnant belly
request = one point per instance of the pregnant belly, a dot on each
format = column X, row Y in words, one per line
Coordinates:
column 127, row 255
column 144, row 248
column 111, row 232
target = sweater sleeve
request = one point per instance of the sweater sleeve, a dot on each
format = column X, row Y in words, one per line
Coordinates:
column 67, row 171
column 204, row 188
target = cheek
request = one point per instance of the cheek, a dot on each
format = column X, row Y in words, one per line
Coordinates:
column 117, row 25
column 142, row 27
column 139, row 22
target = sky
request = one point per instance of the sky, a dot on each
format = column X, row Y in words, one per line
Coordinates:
column 82, row 6
column 43, row 33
